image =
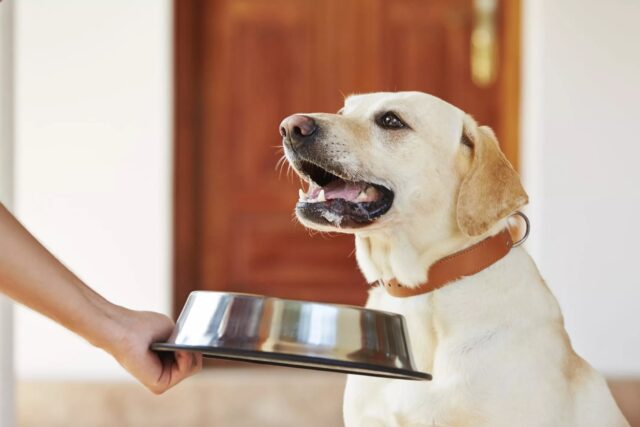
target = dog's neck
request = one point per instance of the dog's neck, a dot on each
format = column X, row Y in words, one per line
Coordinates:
column 405, row 252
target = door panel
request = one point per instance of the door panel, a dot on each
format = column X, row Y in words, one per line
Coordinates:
column 242, row 66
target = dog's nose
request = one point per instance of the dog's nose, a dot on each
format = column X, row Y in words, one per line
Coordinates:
column 298, row 128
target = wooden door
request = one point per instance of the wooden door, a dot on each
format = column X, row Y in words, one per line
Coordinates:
column 243, row 65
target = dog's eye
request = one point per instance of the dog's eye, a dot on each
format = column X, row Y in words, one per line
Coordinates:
column 389, row 121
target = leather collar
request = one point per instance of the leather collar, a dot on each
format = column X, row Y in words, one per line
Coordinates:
column 466, row 262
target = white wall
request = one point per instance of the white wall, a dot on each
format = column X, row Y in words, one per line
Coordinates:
column 582, row 107
column 93, row 161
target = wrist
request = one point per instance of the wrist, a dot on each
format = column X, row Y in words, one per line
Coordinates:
column 105, row 329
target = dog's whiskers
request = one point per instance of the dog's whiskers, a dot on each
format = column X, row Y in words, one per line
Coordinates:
column 279, row 162
column 280, row 165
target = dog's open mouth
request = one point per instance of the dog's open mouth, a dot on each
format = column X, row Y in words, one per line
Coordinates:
column 339, row 202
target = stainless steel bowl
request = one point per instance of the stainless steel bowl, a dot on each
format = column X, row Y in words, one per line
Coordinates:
column 294, row 333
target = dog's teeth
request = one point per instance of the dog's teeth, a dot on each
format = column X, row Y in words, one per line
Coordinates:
column 301, row 194
column 361, row 197
column 321, row 197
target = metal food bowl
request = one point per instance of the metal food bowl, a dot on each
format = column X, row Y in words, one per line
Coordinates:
column 292, row 333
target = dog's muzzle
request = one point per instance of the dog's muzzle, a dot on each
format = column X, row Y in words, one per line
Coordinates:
column 335, row 197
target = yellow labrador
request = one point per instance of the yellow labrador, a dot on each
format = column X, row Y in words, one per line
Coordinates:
column 415, row 179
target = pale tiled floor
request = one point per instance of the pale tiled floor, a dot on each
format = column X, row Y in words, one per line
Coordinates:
column 231, row 397
column 255, row 397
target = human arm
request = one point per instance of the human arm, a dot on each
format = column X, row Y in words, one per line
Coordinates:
column 32, row 276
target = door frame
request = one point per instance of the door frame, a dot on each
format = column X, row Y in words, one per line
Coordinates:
column 186, row 148
column 187, row 118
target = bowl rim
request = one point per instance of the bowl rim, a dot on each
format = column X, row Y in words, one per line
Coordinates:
column 299, row 301
column 297, row 361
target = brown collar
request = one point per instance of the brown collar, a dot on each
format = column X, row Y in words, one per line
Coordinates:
column 466, row 262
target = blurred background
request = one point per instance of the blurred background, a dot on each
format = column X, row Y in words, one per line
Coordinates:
column 137, row 142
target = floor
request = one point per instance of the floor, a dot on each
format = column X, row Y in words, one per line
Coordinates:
column 232, row 397
column 269, row 397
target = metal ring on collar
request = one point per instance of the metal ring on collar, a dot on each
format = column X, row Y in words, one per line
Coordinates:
column 526, row 231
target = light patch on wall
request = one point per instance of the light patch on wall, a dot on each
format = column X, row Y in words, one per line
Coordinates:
column 580, row 123
column 93, row 161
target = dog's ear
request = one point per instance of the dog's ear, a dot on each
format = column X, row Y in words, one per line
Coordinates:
column 491, row 190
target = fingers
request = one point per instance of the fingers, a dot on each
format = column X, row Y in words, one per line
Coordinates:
column 164, row 381
column 182, row 365
column 199, row 361
column 174, row 367
column 187, row 364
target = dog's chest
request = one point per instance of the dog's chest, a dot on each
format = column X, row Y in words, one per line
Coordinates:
column 402, row 403
column 445, row 401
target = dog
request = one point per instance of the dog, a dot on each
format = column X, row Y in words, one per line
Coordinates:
column 418, row 182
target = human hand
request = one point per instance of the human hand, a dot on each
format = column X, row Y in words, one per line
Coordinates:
column 156, row 371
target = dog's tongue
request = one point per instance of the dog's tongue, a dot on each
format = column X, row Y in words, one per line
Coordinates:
column 357, row 192
column 343, row 190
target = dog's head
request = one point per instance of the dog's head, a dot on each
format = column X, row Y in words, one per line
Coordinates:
column 388, row 157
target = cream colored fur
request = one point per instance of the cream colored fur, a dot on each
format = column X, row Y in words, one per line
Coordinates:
column 494, row 342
